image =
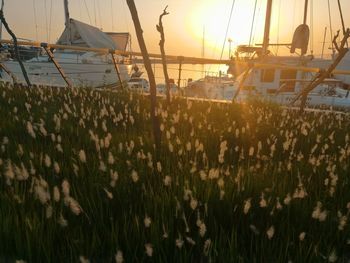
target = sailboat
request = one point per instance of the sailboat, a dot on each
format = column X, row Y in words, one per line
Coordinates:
column 259, row 74
column 281, row 79
column 81, row 68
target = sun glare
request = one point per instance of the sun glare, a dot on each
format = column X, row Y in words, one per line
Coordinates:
column 212, row 18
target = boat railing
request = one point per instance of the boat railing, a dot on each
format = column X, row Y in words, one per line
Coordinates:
column 181, row 59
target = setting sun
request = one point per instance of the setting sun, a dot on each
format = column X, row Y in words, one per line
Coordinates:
column 212, row 18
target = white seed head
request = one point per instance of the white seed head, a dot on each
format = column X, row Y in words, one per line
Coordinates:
column 82, row 156
column 149, row 249
column 270, row 232
column 119, row 257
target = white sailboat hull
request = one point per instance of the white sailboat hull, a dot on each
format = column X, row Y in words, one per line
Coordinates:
column 314, row 99
column 80, row 74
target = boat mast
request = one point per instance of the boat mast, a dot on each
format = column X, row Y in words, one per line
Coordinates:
column 66, row 12
column 267, row 27
column 67, row 20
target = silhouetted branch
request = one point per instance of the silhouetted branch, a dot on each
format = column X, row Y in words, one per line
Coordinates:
column 160, row 29
column 3, row 20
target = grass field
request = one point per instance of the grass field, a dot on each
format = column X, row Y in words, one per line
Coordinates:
column 79, row 180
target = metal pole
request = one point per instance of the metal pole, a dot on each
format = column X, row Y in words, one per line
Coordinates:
column 180, row 69
column 267, row 27
column 305, row 10
column 229, row 48
column 324, row 40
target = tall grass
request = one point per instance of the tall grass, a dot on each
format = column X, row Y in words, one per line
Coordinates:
column 235, row 182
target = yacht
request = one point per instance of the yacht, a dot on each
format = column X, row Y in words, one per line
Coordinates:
column 81, row 68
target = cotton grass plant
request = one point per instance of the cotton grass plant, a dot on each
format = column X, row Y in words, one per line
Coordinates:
column 79, row 180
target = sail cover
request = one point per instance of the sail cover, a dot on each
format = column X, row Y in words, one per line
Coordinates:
column 120, row 39
column 84, row 35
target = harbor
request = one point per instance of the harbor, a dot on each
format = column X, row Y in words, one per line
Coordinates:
column 203, row 131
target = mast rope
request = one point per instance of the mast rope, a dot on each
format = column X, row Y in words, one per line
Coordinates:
column 258, row 14
column 294, row 14
column 252, row 26
column 99, row 13
column 112, row 13
column 278, row 26
column 95, row 13
column 87, row 10
column 50, row 21
column 46, row 20
column 330, row 26
column 227, row 28
column 35, row 21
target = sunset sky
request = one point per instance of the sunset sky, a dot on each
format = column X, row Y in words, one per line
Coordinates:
column 183, row 26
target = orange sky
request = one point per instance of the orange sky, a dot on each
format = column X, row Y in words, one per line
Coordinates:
column 183, row 27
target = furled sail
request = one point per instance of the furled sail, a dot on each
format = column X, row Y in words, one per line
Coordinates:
column 80, row 34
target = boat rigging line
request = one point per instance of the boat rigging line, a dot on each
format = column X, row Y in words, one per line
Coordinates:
column 342, row 20
column 46, row 20
column 95, row 13
column 252, row 26
column 112, row 14
column 35, row 21
column 99, row 14
column 278, row 27
column 331, row 28
column 50, row 21
column 258, row 14
column 227, row 28
column 87, row 10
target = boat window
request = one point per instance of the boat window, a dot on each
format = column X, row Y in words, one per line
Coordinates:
column 288, row 80
column 267, row 75
column 288, row 74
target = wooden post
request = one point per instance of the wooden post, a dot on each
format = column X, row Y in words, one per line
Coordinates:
column 60, row 70
column 117, row 69
column 152, row 81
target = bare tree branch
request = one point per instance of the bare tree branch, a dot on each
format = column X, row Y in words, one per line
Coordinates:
column 160, row 29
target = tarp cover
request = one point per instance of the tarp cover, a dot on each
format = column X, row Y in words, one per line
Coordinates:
column 84, row 35
column 121, row 39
